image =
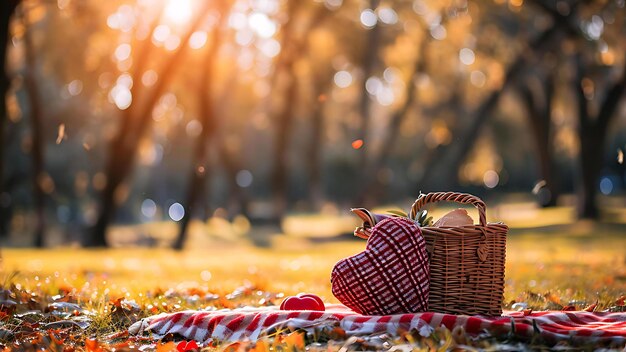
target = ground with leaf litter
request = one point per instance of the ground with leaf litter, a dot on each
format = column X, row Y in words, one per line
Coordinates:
column 64, row 300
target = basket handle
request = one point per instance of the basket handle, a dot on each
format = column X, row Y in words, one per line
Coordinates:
column 462, row 198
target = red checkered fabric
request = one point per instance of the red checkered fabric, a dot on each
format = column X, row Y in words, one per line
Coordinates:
column 253, row 323
column 391, row 276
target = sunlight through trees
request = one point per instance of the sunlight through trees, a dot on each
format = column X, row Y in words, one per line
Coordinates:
column 182, row 109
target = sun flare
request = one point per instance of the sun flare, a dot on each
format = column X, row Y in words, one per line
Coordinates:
column 178, row 11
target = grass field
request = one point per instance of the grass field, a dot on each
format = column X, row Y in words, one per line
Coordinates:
column 548, row 266
column 577, row 266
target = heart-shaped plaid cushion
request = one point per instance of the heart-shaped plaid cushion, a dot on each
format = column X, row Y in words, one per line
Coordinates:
column 390, row 276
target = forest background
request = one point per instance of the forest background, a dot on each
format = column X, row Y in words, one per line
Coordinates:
column 132, row 112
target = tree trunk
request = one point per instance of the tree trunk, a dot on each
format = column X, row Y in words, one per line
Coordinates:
column 284, row 121
column 292, row 49
column 200, row 163
column 591, row 147
column 124, row 145
column 539, row 117
column 238, row 202
column 373, row 190
column 316, row 143
column 592, row 134
column 546, row 153
column 117, row 166
column 369, row 58
column 314, row 166
column 36, row 119
column 7, row 9
column 284, row 66
column 230, row 161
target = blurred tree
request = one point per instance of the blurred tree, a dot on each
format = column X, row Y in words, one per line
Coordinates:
column 238, row 200
column 227, row 126
column 196, row 186
column 592, row 132
column 592, row 127
column 537, row 94
column 374, row 189
column 284, row 68
column 133, row 124
column 439, row 175
column 7, row 9
column 321, row 87
column 232, row 163
column 293, row 47
column 369, row 61
column 284, row 119
column 40, row 179
column 287, row 55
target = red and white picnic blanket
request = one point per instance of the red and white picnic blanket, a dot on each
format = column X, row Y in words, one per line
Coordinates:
column 252, row 323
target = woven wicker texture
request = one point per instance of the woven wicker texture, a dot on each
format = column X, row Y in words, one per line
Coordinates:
column 390, row 276
column 466, row 262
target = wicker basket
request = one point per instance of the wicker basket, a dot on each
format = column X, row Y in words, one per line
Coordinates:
column 466, row 262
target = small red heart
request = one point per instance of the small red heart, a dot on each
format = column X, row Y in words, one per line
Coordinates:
column 391, row 276
column 300, row 303
column 185, row 346
column 320, row 303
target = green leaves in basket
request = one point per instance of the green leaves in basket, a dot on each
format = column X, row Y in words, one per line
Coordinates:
column 371, row 219
column 423, row 219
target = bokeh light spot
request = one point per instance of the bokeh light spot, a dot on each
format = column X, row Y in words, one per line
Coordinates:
column 387, row 15
column 438, row 32
column 390, row 74
column 149, row 78
column 172, row 42
column 270, row 48
column 176, row 211
column 467, row 57
column 333, row 4
column 205, row 275
column 148, row 208
column 161, row 33
column 606, row 186
column 122, row 97
column 373, row 85
column 244, row 178
column 178, row 11
column 122, row 52
column 105, row 80
column 237, row 20
column 357, row 144
column 125, row 80
column 113, row 21
column 368, row 18
column 343, row 79
column 385, row 96
column 262, row 25
column 193, row 128
column 244, row 37
column 478, row 79
column 197, row 40
column 491, row 179
column 75, row 87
